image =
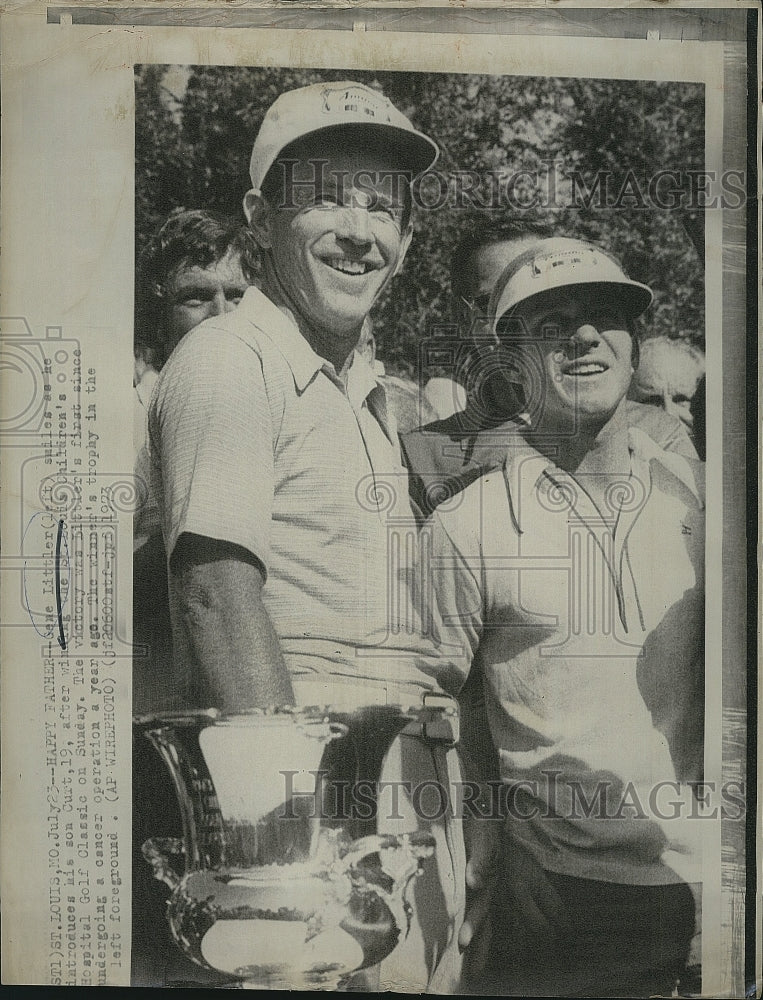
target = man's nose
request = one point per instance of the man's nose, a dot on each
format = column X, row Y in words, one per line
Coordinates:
column 585, row 335
column 682, row 409
column 219, row 304
column 354, row 224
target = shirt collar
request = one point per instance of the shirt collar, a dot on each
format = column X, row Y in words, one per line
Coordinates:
column 365, row 384
column 284, row 333
column 525, row 468
column 362, row 381
column 686, row 471
column 523, row 471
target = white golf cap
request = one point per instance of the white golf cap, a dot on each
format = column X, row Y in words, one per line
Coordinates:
column 559, row 263
column 302, row 112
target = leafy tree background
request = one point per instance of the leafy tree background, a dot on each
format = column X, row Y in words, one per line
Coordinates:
column 195, row 127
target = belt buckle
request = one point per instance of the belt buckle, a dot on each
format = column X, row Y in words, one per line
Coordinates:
column 440, row 718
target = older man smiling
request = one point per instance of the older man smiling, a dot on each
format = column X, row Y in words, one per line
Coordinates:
column 278, row 469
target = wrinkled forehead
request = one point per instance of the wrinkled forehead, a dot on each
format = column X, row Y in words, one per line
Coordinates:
column 227, row 268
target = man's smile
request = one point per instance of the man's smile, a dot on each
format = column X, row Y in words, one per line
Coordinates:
column 583, row 368
column 346, row 265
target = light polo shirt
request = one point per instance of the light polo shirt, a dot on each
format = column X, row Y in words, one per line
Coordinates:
column 587, row 628
column 256, row 441
column 445, row 456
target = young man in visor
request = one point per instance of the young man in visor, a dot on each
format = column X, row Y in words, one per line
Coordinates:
column 572, row 575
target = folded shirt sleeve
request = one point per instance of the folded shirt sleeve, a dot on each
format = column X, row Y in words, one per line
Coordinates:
column 211, row 434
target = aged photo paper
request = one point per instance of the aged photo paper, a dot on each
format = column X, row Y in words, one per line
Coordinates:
column 141, row 804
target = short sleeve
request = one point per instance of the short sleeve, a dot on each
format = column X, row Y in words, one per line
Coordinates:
column 455, row 588
column 212, row 442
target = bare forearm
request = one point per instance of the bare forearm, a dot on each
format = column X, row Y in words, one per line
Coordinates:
column 233, row 638
column 239, row 655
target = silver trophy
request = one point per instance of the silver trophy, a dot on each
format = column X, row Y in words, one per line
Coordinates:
column 275, row 882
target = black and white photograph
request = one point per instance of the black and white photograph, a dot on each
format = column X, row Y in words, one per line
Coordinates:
column 387, row 577
column 512, row 275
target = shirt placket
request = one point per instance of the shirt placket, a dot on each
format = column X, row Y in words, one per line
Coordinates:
column 604, row 536
column 382, row 488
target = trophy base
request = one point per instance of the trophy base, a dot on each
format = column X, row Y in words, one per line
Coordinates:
column 268, row 983
column 274, row 983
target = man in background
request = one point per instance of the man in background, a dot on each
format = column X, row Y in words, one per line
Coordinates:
column 446, row 455
column 667, row 376
column 197, row 265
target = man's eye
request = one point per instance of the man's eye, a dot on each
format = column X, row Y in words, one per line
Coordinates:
column 234, row 297
column 387, row 213
column 552, row 327
column 609, row 320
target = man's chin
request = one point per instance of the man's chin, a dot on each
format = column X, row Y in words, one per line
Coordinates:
column 339, row 325
column 348, row 311
column 599, row 413
column 581, row 410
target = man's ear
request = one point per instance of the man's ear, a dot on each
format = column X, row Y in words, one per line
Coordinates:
column 405, row 242
column 259, row 215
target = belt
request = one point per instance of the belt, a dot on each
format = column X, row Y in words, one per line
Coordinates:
column 437, row 720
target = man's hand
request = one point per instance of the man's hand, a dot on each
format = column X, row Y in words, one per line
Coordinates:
column 482, row 846
column 482, row 841
column 504, row 881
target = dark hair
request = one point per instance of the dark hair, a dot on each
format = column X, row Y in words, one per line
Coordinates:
column 485, row 230
column 188, row 238
column 368, row 140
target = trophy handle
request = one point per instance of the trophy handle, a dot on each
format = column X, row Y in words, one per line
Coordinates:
column 410, row 850
column 417, row 846
column 155, row 851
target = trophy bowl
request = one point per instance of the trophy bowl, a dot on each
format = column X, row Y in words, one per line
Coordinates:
column 271, row 884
